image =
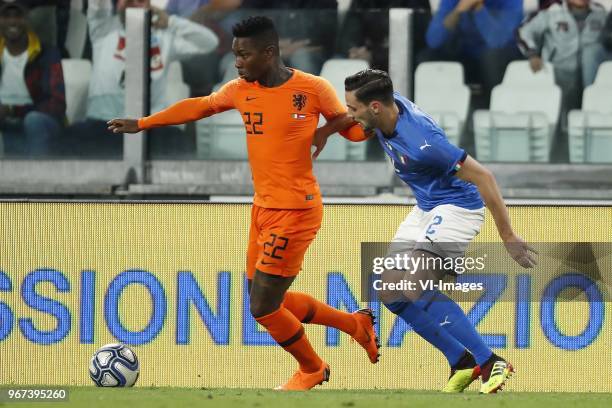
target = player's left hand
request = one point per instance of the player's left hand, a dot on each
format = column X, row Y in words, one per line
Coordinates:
column 521, row 252
column 319, row 140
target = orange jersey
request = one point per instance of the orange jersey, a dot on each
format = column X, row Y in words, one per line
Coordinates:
column 280, row 123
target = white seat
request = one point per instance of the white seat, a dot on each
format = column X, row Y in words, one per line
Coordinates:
column 452, row 125
column 519, row 73
column 590, row 137
column 512, row 99
column 597, row 98
column 335, row 71
column 511, row 137
column 439, row 73
column 433, row 79
column 76, row 34
column 590, row 129
column 77, row 74
column 222, row 136
column 176, row 88
column 521, row 121
column 604, row 74
column 229, row 73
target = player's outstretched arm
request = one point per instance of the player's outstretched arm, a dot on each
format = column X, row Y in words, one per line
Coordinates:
column 186, row 110
column 484, row 180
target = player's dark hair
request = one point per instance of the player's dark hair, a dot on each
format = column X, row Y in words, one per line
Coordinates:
column 370, row 85
column 259, row 28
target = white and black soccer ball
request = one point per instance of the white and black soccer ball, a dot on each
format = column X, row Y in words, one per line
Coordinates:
column 114, row 365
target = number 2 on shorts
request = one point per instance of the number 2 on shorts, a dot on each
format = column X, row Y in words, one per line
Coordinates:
column 436, row 221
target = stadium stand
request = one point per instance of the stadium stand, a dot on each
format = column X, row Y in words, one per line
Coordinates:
column 433, row 79
column 517, row 127
column 338, row 148
column 522, row 118
column 590, row 129
column 77, row 73
column 77, row 33
column 221, row 136
column 176, row 89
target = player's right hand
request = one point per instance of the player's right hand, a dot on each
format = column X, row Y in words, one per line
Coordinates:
column 318, row 141
column 123, row 125
column 521, row 252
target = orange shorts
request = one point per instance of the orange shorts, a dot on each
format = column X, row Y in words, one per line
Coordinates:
column 278, row 239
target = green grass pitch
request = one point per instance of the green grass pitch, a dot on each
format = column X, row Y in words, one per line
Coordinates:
column 92, row 397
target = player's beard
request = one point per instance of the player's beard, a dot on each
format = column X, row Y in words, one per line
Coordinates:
column 367, row 128
column 369, row 122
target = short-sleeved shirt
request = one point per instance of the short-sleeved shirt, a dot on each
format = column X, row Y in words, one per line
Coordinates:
column 426, row 161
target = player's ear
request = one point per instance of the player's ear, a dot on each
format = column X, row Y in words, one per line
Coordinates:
column 375, row 106
column 270, row 51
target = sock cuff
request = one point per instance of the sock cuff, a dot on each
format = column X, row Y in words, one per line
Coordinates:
column 397, row 307
column 307, row 305
column 283, row 326
column 298, row 335
column 265, row 319
column 426, row 298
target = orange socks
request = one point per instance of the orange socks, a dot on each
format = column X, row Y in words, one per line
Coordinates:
column 309, row 310
column 284, row 326
column 288, row 332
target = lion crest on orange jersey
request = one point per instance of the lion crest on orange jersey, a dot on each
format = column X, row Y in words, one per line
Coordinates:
column 299, row 101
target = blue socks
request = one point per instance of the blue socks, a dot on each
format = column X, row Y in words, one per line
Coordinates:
column 440, row 321
column 448, row 315
column 428, row 328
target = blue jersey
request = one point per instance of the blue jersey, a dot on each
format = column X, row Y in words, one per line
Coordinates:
column 426, row 161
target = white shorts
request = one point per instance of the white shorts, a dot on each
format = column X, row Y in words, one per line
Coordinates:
column 446, row 230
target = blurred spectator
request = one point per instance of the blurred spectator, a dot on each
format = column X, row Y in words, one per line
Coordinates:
column 365, row 29
column 201, row 72
column 200, row 10
column 32, row 99
column 568, row 35
column 307, row 29
column 172, row 38
column 606, row 34
column 542, row 4
column 477, row 33
column 49, row 19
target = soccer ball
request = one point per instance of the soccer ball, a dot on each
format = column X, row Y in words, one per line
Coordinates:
column 114, row 365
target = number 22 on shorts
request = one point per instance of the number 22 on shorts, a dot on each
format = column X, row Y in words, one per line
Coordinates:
column 276, row 244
